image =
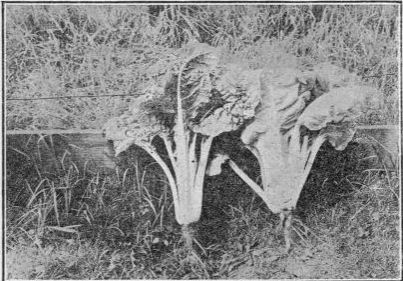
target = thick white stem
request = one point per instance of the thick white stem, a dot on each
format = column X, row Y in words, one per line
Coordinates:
column 168, row 174
column 171, row 155
column 190, row 174
column 192, row 156
column 196, row 190
column 259, row 191
column 304, row 147
column 203, row 160
column 294, row 146
column 297, row 156
column 182, row 175
column 263, row 175
column 317, row 143
column 180, row 133
column 180, row 117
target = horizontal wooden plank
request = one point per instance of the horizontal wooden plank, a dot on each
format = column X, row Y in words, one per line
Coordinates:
column 378, row 127
column 52, row 148
column 53, row 132
column 97, row 131
column 82, row 146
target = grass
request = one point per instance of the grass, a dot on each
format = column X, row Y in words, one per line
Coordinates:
column 121, row 226
column 363, row 229
column 66, row 50
column 68, row 225
column 79, row 223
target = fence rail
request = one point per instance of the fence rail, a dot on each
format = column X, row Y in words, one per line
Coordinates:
column 90, row 145
column 97, row 131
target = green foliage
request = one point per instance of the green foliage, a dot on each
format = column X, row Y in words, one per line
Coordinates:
column 96, row 50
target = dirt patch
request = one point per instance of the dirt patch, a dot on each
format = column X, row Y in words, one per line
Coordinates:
column 301, row 263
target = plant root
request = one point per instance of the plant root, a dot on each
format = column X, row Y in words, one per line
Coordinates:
column 287, row 232
column 285, row 227
column 187, row 235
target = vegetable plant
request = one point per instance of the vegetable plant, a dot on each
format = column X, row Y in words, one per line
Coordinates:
column 299, row 111
column 189, row 96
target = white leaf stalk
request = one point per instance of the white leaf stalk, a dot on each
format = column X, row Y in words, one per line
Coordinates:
column 187, row 177
column 285, row 166
column 188, row 168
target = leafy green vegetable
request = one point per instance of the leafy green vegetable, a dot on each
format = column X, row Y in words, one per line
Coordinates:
column 299, row 111
column 192, row 98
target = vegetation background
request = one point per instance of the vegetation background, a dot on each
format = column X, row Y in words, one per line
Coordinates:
column 60, row 51
column 81, row 223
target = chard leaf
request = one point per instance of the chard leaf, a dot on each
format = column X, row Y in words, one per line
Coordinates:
column 339, row 135
column 219, row 122
column 239, row 95
column 132, row 127
column 339, row 105
column 334, row 114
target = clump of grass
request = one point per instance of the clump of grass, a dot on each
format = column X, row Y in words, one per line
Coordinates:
column 56, row 51
column 73, row 260
column 363, row 228
column 72, row 223
column 126, row 231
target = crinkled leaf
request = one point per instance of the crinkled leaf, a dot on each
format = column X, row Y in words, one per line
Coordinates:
column 339, row 105
column 290, row 96
column 238, row 101
column 339, row 135
column 154, row 111
column 334, row 76
column 289, row 116
column 251, row 95
column 115, row 130
column 334, row 114
column 196, row 49
column 257, row 127
column 280, row 104
column 198, row 68
column 240, row 89
column 215, row 164
column 132, row 128
column 219, row 122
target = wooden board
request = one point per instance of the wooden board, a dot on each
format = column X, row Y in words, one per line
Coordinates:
column 52, row 152
column 90, row 148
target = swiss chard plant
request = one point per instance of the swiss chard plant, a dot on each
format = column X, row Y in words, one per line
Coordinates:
column 299, row 111
column 189, row 97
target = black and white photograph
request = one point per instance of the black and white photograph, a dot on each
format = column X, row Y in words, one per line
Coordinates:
column 201, row 140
